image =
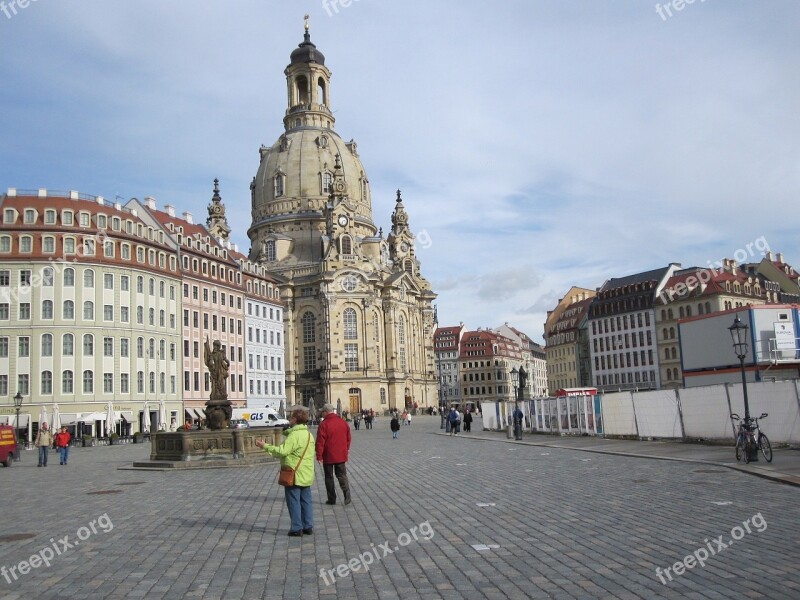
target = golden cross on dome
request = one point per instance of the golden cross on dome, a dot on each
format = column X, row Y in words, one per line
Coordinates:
column 306, row 17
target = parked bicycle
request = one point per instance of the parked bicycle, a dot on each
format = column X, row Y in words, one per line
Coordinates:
column 749, row 438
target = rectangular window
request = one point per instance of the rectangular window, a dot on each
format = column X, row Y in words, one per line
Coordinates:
column 123, row 347
column 123, row 383
column 108, row 312
column 108, row 281
column 49, row 245
column 25, row 277
column 3, row 347
column 24, row 347
column 3, row 385
column 4, row 311
column 108, row 383
column 23, row 386
column 5, row 278
column 25, row 311
column 309, row 359
column 108, row 346
column 123, row 314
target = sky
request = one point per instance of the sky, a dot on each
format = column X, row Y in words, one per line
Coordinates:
column 538, row 144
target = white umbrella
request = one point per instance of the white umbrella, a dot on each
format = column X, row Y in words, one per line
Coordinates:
column 145, row 418
column 162, row 416
column 111, row 418
column 43, row 416
column 56, row 425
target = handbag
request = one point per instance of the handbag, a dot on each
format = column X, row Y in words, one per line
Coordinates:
column 286, row 474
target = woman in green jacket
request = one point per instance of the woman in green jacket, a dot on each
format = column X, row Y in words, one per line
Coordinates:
column 297, row 452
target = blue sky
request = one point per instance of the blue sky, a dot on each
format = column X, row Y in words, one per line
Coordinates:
column 538, row 144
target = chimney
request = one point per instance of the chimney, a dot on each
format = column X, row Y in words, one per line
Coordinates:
column 117, row 205
column 187, row 216
column 769, row 256
column 150, row 202
column 780, row 257
column 170, row 209
column 236, row 247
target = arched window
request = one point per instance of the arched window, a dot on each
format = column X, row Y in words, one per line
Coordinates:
column 672, row 333
column 669, row 314
column 350, row 322
column 47, row 382
column 666, row 353
column 708, row 307
column 47, row 277
column 88, row 382
column 401, row 330
column 88, row 310
column 347, row 245
column 327, row 181
column 680, row 312
column 88, row 345
column 66, row 382
column 47, row 309
column 700, row 309
column 309, row 327
column 665, row 334
column 688, row 311
column 88, row 278
column 663, row 315
column 321, row 96
column 69, row 277
column 269, row 250
column 47, row 344
column 68, row 344
column 674, row 353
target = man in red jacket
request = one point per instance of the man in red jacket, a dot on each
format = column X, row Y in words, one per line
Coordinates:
column 333, row 444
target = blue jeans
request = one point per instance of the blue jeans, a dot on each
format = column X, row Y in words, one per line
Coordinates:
column 301, row 511
column 43, row 455
column 394, row 434
column 64, row 452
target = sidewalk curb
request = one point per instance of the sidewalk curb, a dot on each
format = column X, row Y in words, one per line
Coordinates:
column 777, row 477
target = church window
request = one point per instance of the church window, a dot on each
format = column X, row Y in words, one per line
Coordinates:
column 350, row 324
column 269, row 250
column 383, row 395
column 351, row 357
column 280, row 179
column 407, row 266
column 321, row 96
column 363, row 189
column 309, row 359
column 309, row 327
column 401, row 331
column 402, row 359
column 327, row 180
column 347, row 245
column 302, row 90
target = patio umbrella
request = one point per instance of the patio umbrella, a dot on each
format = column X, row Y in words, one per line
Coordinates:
column 146, row 418
column 111, row 418
column 43, row 416
column 162, row 416
column 56, row 424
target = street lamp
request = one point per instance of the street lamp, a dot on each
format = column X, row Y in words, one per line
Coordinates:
column 739, row 336
column 18, row 406
column 441, row 400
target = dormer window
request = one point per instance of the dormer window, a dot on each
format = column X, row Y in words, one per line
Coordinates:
column 85, row 219
column 30, row 216
column 50, row 217
column 102, row 221
column 66, row 217
column 9, row 216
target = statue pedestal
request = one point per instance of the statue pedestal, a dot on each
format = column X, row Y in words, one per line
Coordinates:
column 218, row 412
column 210, row 448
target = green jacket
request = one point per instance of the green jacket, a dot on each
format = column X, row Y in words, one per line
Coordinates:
column 292, row 449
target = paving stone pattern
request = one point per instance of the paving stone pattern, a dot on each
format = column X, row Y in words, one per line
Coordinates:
column 557, row 523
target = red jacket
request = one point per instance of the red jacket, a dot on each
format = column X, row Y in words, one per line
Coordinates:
column 62, row 439
column 333, row 440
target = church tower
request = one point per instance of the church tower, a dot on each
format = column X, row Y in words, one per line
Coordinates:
column 217, row 222
column 359, row 318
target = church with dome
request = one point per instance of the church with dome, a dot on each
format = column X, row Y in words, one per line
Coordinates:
column 359, row 317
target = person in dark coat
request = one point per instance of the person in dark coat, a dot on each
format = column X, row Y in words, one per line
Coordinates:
column 467, row 422
column 394, row 425
column 333, row 445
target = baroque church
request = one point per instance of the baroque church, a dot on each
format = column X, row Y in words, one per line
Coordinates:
column 359, row 318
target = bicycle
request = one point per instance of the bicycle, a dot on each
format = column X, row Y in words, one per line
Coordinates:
column 747, row 440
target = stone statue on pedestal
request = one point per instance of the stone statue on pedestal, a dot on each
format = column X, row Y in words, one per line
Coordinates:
column 218, row 408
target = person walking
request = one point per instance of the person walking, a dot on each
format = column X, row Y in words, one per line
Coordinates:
column 296, row 452
column 467, row 421
column 44, row 439
column 406, row 420
column 394, row 425
column 357, row 420
column 454, row 418
column 333, row 446
column 518, row 416
column 62, row 439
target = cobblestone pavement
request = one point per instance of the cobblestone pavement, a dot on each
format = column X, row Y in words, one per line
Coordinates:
column 505, row 521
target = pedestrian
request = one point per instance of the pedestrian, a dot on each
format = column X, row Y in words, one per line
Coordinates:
column 517, row 414
column 467, row 422
column 406, row 420
column 188, row 425
column 296, row 452
column 44, row 439
column 454, row 418
column 357, row 420
column 394, row 425
column 62, row 439
column 333, row 445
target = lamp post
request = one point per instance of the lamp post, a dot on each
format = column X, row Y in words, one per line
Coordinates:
column 441, row 401
column 739, row 336
column 18, row 406
column 515, row 380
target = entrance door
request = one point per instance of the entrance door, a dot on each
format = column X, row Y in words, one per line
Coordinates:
column 355, row 400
